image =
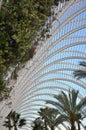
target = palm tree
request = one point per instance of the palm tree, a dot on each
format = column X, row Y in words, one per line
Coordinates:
column 14, row 120
column 17, row 122
column 38, row 124
column 51, row 117
column 42, row 114
column 7, row 123
column 70, row 107
column 80, row 73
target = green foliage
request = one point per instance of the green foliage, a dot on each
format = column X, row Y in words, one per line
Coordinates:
column 7, row 123
column 51, row 117
column 69, row 107
column 20, row 22
column 80, row 73
column 2, row 85
column 4, row 92
column 38, row 124
column 13, row 120
column 28, row 54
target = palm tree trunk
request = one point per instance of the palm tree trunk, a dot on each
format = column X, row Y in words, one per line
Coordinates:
column 9, row 124
column 78, row 125
column 52, row 128
column 9, row 128
column 46, row 125
column 15, row 128
column 72, row 126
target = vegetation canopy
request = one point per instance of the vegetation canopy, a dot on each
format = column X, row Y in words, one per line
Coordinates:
column 13, row 120
column 20, row 22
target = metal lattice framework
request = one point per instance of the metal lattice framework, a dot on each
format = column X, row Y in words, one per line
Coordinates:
column 51, row 69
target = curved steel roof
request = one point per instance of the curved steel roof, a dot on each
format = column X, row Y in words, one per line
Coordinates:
column 51, row 69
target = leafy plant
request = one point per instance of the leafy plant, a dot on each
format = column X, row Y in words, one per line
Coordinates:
column 13, row 120
column 70, row 108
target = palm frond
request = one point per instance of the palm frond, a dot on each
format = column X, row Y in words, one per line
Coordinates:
column 57, row 105
column 22, row 122
column 70, row 109
column 7, row 124
column 9, row 115
column 15, row 117
column 59, row 120
column 63, row 101
column 79, row 74
column 82, row 104
column 82, row 63
column 74, row 96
